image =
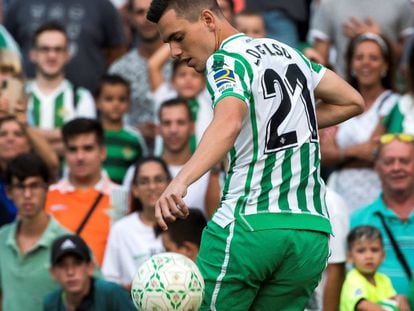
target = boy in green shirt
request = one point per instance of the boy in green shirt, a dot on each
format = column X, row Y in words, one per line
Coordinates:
column 124, row 144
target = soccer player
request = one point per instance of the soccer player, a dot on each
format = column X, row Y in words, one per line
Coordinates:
column 272, row 210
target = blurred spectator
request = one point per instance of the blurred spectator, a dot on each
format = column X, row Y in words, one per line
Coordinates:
column 10, row 65
column 393, row 211
column 133, row 68
column 124, row 144
column 72, row 268
column 281, row 18
column 86, row 201
column 365, row 288
column 349, row 146
column 94, row 30
column 335, row 22
column 186, row 83
column 17, row 137
column 132, row 239
column 184, row 235
column 25, row 244
column 401, row 117
column 7, row 41
column 328, row 292
column 176, row 129
column 227, row 8
column 53, row 100
column 251, row 23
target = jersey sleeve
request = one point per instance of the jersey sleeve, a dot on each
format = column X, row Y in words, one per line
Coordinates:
column 227, row 76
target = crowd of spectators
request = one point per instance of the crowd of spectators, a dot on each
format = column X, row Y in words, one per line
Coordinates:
column 95, row 120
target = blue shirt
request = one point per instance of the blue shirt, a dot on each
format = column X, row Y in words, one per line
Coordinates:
column 403, row 232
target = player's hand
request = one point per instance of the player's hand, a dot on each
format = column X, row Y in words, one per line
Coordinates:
column 170, row 204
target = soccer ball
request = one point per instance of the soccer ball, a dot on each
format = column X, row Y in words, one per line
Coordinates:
column 167, row 281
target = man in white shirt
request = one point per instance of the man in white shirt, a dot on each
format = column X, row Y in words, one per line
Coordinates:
column 53, row 100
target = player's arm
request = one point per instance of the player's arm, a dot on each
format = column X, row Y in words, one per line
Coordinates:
column 340, row 101
column 217, row 140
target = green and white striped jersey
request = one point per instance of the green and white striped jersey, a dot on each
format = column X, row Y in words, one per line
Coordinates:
column 53, row 110
column 273, row 179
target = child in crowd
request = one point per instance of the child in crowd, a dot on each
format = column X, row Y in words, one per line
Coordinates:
column 184, row 235
column 185, row 83
column 72, row 268
column 124, row 144
column 251, row 23
column 365, row 288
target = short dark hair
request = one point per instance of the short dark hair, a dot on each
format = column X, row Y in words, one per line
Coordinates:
column 112, row 79
column 189, row 229
column 81, row 126
column 369, row 233
column 178, row 101
column 136, row 205
column 27, row 165
column 190, row 9
column 49, row 26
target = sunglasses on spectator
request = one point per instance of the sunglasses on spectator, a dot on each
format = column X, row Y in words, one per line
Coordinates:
column 404, row 137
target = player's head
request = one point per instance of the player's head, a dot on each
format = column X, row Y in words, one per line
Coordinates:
column 184, row 235
column 251, row 23
column 365, row 249
column 50, row 49
column 193, row 28
column 370, row 62
column 151, row 177
column 188, row 82
column 112, row 98
column 71, row 264
column 176, row 125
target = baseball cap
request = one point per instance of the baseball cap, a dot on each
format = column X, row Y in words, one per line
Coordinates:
column 69, row 244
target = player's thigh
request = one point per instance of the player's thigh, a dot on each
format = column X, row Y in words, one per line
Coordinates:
column 234, row 264
column 295, row 280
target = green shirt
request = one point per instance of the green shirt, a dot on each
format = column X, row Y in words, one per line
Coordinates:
column 104, row 296
column 124, row 148
column 356, row 288
column 25, row 279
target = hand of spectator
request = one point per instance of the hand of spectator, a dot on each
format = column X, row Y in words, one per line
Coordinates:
column 402, row 302
column 314, row 55
column 365, row 151
column 171, row 205
column 354, row 27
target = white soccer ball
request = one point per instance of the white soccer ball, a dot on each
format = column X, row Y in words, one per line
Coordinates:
column 168, row 281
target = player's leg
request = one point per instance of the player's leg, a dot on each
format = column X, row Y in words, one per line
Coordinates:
column 294, row 282
column 224, row 283
column 234, row 264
